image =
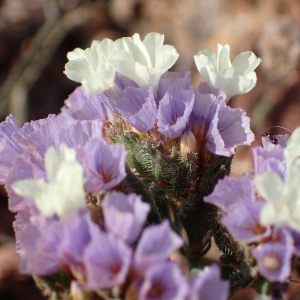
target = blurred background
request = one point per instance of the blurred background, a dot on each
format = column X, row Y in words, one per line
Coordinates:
column 35, row 36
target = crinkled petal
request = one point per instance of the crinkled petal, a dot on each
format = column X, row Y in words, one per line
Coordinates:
column 208, row 285
column 124, row 215
column 156, row 245
column 107, row 261
column 174, row 111
column 233, row 127
column 243, row 222
column 164, row 281
column 230, row 191
column 182, row 79
column 104, row 165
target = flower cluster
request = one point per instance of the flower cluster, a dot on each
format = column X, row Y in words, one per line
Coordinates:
column 104, row 190
column 261, row 210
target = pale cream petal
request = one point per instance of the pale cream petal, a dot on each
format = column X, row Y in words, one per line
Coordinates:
column 77, row 70
column 223, row 59
column 29, row 188
column 292, row 151
column 239, row 85
column 223, row 78
column 153, row 41
column 212, row 59
column 77, row 53
column 268, row 215
column 245, row 62
column 206, row 68
column 52, row 162
column 270, row 186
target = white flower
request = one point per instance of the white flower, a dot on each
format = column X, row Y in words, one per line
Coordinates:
column 142, row 61
column 283, row 197
column 64, row 193
column 145, row 61
column 236, row 78
column 93, row 66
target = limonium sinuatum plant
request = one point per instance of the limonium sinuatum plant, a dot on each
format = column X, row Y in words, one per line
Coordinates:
column 120, row 194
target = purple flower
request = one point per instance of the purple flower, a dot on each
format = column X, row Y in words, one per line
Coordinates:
column 124, row 215
column 36, row 142
column 208, row 285
column 104, row 165
column 205, row 88
column 274, row 260
column 82, row 106
column 135, row 104
column 9, row 150
column 270, row 158
column 80, row 132
column 243, row 223
column 230, row 191
column 13, row 143
column 218, row 126
column 107, row 260
column 182, row 79
column 23, row 168
column 78, row 232
column 38, row 239
column 156, row 245
column 138, row 107
column 163, row 282
column 174, row 111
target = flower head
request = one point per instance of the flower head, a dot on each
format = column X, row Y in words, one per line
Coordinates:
column 236, row 78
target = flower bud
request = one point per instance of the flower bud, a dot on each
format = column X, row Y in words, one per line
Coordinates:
column 188, row 142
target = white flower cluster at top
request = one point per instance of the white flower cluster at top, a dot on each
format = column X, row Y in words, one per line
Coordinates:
column 142, row 61
column 145, row 61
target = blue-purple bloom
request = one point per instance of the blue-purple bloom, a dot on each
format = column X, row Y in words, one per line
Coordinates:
column 181, row 79
column 230, row 191
column 78, row 232
column 217, row 126
column 156, row 245
column 38, row 240
column 124, row 215
column 274, row 260
column 174, row 110
column 208, row 285
column 135, row 104
column 163, row 282
column 104, row 165
column 107, row 260
column 242, row 222
column 82, row 106
column 268, row 158
column 23, row 168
